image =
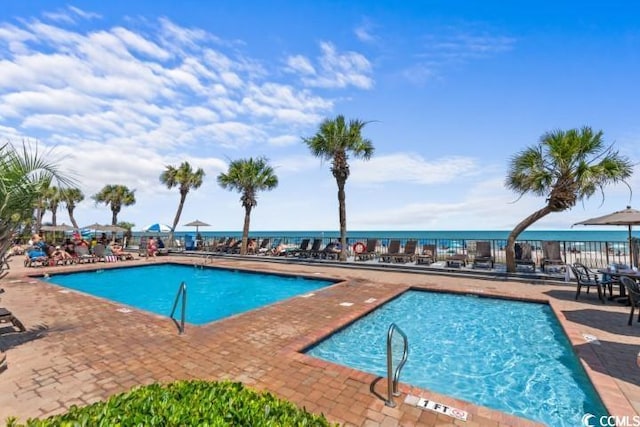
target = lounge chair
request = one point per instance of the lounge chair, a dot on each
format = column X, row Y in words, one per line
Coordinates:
column 264, row 246
column 633, row 290
column 189, row 243
column 369, row 252
column 304, row 246
column 428, row 255
column 524, row 257
column 409, row 253
column 7, row 317
column 35, row 258
column 222, row 247
column 84, row 257
column 392, row 250
column 483, row 255
column 588, row 278
column 550, row 255
column 314, row 252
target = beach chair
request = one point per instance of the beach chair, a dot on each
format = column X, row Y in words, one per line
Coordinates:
column 524, row 257
column 588, row 278
column 392, row 250
column 7, row 317
column 369, row 251
column 409, row 253
column 428, row 255
column 551, row 255
column 483, row 255
column 633, row 290
column 189, row 243
column 264, row 246
column 35, row 257
column 304, row 246
column 314, row 252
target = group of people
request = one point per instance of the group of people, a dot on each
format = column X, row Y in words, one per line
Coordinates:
column 71, row 249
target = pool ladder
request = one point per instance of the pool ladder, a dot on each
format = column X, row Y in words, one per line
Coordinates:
column 393, row 376
column 182, row 293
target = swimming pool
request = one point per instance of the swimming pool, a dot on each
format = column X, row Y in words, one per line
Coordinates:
column 508, row 355
column 212, row 293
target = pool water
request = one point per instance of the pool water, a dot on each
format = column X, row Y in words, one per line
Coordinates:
column 507, row 355
column 212, row 293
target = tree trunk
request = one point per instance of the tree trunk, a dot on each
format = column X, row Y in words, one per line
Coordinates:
column 343, row 219
column 183, row 197
column 71, row 218
column 245, row 230
column 510, row 250
column 114, row 217
column 54, row 216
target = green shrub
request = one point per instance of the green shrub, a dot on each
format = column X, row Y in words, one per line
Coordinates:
column 185, row 403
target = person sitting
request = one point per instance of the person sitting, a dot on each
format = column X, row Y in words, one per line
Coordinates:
column 160, row 243
column 70, row 247
column 252, row 246
column 279, row 250
column 103, row 239
column 60, row 256
column 152, row 247
column 117, row 250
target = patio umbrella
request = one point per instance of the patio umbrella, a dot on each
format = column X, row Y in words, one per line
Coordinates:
column 197, row 224
column 97, row 227
column 115, row 229
column 61, row 227
column 628, row 217
column 158, row 228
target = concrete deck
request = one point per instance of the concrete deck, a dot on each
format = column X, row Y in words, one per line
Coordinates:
column 79, row 349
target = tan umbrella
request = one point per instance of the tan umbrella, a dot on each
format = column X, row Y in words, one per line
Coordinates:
column 197, row 224
column 61, row 227
column 97, row 227
column 628, row 217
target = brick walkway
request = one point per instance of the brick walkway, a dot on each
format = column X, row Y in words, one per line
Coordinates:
column 79, row 349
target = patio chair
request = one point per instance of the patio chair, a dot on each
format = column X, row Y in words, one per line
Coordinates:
column 588, row 278
column 35, row 258
column 428, row 255
column 524, row 257
column 264, row 246
column 84, row 257
column 189, row 243
column 369, row 252
column 483, row 255
column 392, row 250
column 633, row 290
column 551, row 255
column 409, row 253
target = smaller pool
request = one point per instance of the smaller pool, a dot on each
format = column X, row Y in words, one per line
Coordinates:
column 212, row 293
column 508, row 355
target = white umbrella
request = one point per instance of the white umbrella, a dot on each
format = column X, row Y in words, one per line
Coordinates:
column 158, row 228
column 197, row 224
column 628, row 217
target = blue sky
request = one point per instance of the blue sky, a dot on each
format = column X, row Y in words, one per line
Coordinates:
column 452, row 90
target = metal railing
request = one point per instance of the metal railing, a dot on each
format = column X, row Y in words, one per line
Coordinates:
column 594, row 254
column 182, row 294
column 393, row 376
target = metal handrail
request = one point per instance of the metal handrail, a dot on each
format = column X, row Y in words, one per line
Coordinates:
column 392, row 379
column 182, row 292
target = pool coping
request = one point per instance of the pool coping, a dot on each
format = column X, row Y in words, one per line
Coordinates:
column 613, row 398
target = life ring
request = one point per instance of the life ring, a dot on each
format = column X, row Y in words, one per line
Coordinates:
column 359, row 248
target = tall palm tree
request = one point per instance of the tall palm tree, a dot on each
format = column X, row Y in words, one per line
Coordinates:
column 24, row 170
column 566, row 167
column 185, row 178
column 116, row 196
column 53, row 197
column 248, row 176
column 71, row 197
column 334, row 141
column 40, row 204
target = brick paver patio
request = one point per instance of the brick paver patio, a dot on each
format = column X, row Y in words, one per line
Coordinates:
column 79, row 349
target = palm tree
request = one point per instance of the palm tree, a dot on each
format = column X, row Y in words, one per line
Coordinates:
column 185, row 178
column 334, row 141
column 40, row 204
column 566, row 167
column 248, row 176
column 115, row 196
column 24, row 170
column 53, row 197
column 71, row 197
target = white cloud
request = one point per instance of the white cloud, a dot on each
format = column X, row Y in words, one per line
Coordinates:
column 411, row 168
column 364, row 32
column 334, row 69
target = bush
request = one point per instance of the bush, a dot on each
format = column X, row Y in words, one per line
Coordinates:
column 185, row 403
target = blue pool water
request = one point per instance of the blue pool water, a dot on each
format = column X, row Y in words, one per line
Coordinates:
column 212, row 293
column 507, row 355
